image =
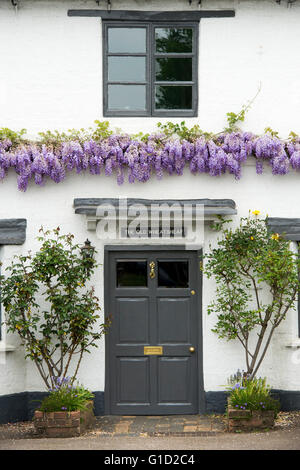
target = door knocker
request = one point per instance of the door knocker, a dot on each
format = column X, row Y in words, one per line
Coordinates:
column 152, row 270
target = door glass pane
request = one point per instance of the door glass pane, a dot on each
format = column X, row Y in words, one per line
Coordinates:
column 173, row 274
column 127, row 40
column 127, row 69
column 173, row 97
column 132, row 273
column 174, row 39
column 173, row 69
column 127, row 97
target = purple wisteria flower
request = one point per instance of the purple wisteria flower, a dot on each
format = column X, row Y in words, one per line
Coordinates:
column 128, row 158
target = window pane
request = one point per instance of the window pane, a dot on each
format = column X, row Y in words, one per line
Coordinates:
column 174, row 39
column 173, row 97
column 127, row 40
column 171, row 69
column 127, row 97
column 127, row 69
column 173, row 274
column 131, row 274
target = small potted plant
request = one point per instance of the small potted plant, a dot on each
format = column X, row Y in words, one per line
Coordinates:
column 66, row 412
column 250, row 405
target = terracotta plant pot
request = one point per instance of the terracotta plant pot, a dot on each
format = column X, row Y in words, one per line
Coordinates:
column 63, row 423
column 247, row 420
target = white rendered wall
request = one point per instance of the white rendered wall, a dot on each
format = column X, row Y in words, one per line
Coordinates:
column 51, row 65
column 51, row 206
column 50, row 78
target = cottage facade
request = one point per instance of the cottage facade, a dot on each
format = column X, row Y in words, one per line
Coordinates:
column 65, row 64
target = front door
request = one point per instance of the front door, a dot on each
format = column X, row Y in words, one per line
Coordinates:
column 152, row 343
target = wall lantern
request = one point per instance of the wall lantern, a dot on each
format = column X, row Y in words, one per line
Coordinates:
column 87, row 250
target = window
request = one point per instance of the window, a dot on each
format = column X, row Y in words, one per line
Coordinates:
column 132, row 273
column 150, row 69
column 173, row 274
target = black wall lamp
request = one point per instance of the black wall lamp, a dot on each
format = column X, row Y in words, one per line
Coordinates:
column 87, row 250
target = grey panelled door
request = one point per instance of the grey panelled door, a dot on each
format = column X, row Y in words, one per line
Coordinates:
column 153, row 338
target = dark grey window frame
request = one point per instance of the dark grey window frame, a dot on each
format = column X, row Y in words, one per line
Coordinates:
column 150, row 55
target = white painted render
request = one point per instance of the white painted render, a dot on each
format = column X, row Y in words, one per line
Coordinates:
column 51, row 78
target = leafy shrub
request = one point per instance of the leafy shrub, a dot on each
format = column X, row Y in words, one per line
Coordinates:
column 66, row 397
column 59, row 336
column 252, row 394
column 249, row 261
column 56, row 138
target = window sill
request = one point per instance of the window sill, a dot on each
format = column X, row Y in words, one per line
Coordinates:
column 7, row 347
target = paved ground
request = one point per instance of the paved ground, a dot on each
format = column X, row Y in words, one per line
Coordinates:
column 157, row 426
column 159, row 433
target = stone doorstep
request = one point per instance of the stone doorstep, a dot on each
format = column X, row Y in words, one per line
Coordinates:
column 190, row 428
column 120, row 428
column 162, row 429
column 164, row 425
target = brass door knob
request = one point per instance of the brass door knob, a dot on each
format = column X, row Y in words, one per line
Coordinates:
column 192, row 349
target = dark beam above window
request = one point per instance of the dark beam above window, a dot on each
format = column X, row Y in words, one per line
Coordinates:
column 140, row 15
column 89, row 206
column 12, row 231
column 289, row 227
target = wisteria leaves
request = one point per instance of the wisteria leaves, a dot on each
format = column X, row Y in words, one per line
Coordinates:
column 136, row 160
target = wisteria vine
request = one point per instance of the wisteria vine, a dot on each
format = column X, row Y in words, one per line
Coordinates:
column 139, row 159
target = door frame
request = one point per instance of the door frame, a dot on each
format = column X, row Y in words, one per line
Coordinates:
column 153, row 247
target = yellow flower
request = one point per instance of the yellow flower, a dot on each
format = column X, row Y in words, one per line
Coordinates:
column 275, row 236
column 251, row 238
column 18, row 327
column 256, row 212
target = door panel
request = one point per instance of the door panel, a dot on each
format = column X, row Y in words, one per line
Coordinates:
column 173, row 377
column 133, row 320
column 131, row 390
column 174, row 323
column 151, row 304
